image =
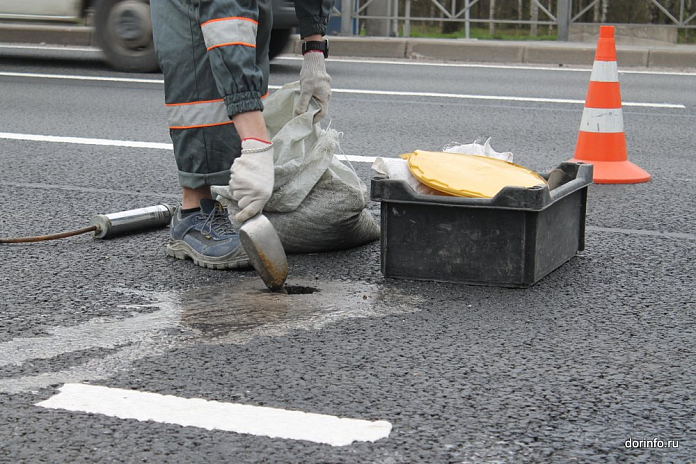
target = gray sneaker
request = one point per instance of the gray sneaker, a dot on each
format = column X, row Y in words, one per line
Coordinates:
column 207, row 237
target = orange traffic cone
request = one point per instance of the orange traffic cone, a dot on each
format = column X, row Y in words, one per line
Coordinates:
column 601, row 140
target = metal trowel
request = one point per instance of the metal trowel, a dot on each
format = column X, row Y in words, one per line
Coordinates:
column 262, row 244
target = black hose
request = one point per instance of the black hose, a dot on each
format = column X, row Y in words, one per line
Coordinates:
column 42, row 238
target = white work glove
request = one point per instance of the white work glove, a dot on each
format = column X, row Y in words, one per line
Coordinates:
column 314, row 82
column 251, row 178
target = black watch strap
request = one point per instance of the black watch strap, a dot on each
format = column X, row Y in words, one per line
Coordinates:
column 321, row 46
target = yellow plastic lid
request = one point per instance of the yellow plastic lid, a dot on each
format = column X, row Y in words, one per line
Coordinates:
column 468, row 175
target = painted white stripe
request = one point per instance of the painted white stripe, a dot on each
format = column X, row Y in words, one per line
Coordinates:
column 605, row 71
column 214, row 415
column 357, row 158
column 133, row 144
column 602, row 120
column 82, row 78
column 521, row 67
column 494, row 97
column 457, row 96
column 85, row 141
column 366, row 92
column 70, row 48
column 659, row 73
column 441, row 65
column 453, row 95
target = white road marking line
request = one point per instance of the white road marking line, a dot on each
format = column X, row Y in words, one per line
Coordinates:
column 82, row 78
column 68, row 48
column 356, row 158
column 403, row 62
column 214, row 415
column 496, row 97
column 490, row 66
column 85, row 141
column 131, row 144
column 359, row 91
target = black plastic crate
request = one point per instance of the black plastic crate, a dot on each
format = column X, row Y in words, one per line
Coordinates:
column 512, row 240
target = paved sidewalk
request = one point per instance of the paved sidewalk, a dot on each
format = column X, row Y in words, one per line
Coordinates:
column 462, row 50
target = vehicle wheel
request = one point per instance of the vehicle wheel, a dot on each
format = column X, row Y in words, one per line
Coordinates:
column 123, row 30
column 279, row 40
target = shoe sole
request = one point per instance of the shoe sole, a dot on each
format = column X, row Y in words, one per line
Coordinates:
column 182, row 250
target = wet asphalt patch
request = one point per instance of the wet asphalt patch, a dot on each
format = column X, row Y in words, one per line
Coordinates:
column 226, row 313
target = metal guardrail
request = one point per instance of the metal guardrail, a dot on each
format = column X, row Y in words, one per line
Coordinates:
column 353, row 11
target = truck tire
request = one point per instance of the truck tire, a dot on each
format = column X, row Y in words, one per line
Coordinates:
column 279, row 40
column 123, row 30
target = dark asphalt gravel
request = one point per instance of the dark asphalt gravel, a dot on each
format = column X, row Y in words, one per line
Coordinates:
column 599, row 352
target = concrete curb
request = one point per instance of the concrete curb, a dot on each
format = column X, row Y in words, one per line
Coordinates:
column 498, row 51
column 459, row 50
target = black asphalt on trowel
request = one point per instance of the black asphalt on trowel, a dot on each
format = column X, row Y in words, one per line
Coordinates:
column 266, row 253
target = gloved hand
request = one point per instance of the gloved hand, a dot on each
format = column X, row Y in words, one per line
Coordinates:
column 314, row 82
column 251, row 178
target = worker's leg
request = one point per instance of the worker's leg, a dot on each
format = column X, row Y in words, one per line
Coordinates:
column 205, row 141
column 229, row 51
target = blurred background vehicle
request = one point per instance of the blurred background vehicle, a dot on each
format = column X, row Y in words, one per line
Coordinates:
column 122, row 28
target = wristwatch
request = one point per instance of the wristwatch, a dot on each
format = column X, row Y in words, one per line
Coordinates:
column 322, row 46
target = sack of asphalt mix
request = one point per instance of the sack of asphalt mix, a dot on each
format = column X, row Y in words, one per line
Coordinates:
column 318, row 202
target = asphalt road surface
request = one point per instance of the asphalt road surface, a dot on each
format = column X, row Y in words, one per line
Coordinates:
column 594, row 363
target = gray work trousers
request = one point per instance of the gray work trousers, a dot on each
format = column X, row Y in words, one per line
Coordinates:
column 214, row 56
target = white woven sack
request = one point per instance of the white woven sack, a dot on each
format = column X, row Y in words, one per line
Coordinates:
column 318, row 203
